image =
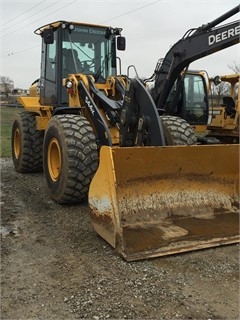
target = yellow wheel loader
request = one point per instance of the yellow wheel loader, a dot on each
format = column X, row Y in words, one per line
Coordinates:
column 225, row 110
column 99, row 135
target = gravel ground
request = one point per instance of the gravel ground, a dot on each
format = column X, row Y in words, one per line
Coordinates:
column 54, row 266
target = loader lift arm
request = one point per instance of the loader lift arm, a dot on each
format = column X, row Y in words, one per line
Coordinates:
column 140, row 123
column 135, row 114
column 195, row 44
column 103, row 134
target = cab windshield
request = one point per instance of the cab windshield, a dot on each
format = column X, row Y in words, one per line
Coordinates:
column 196, row 99
column 191, row 104
column 87, row 50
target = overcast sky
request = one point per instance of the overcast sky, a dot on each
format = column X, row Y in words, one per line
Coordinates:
column 150, row 28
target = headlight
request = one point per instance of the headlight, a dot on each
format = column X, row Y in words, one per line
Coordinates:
column 64, row 25
column 69, row 84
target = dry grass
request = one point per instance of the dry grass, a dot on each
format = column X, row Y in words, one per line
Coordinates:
column 7, row 115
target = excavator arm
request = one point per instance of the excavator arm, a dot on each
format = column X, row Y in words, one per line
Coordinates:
column 196, row 44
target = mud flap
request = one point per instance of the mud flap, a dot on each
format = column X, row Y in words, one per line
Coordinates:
column 155, row 201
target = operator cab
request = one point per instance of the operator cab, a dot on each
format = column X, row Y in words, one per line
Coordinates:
column 191, row 103
column 73, row 48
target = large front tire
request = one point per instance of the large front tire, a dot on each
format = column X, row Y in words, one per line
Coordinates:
column 27, row 143
column 70, row 158
column 177, row 131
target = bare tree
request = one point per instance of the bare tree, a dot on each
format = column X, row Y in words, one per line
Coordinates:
column 235, row 67
column 6, row 85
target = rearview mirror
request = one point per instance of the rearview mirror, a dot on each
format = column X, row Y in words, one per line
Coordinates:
column 121, row 43
column 48, row 36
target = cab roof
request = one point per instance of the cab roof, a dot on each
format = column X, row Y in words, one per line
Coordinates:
column 57, row 24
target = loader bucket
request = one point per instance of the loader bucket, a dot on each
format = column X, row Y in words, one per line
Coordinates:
column 154, row 201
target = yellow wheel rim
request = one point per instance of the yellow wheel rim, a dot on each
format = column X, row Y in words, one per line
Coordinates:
column 54, row 159
column 17, row 143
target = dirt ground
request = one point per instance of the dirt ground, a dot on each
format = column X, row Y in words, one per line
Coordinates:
column 54, row 266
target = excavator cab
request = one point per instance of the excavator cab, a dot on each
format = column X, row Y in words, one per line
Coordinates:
column 188, row 98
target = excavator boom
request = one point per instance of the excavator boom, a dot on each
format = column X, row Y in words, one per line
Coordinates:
column 195, row 44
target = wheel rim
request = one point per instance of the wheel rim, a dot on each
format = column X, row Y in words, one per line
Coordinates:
column 54, row 159
column 17, row 143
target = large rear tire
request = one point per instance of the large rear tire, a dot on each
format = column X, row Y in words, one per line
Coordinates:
column 177, row 131
column 27, row 143
column 70, row 158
